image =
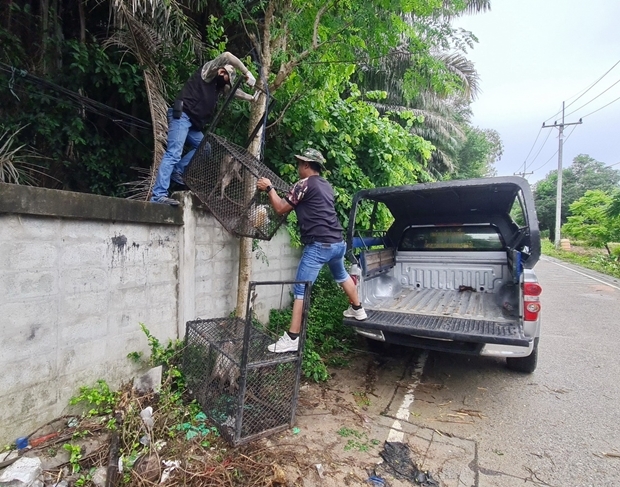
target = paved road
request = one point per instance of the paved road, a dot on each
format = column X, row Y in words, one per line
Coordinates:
column 472, row 422
column 559, row 426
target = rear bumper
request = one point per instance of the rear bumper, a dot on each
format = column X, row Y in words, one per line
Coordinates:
column 443, row 328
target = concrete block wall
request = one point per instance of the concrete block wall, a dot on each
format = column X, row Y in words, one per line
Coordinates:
column 79, row 272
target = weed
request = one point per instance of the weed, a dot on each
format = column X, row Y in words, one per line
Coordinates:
column 135, row 357
column 85, row 479
column 75, row 455
column 357, row 440
column 361, row 399
column 161, row 355
column 99, row 398
column 197, row 427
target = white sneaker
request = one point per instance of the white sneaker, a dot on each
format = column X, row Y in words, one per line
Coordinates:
column 358, row 314
column 284, row 344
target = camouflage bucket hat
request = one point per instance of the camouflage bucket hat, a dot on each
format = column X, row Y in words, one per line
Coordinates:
column 231, row 73
column 312, row 155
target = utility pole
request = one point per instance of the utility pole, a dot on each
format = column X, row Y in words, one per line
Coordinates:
column 558, row 197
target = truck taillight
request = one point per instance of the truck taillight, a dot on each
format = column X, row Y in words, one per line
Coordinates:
column 532, row 289
column 531, row 300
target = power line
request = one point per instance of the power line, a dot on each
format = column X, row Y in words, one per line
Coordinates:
column 613, row 101
column 531, row 148
column 585, row 91
column 593, row 98
column 541, row 147
column 556, row 152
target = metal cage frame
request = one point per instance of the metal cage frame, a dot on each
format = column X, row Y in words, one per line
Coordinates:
column 250, row 360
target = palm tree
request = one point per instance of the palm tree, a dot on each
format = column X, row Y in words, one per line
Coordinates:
column 444, row 114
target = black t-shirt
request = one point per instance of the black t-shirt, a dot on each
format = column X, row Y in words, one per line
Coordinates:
column 199, row 99
column 313, row 200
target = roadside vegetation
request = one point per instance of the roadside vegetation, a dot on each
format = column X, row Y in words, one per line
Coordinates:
column 139, row 431
column 593, row 258
column 149, row 436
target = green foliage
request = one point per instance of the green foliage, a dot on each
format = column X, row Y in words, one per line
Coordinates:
column 75, row 455
column 590, row 259
column 589, row 220
column 197, row 427
column 99, row 398
column 357, row 440
column 481, row 149
column 363, row 149
column 584, row 174
column 161, row 355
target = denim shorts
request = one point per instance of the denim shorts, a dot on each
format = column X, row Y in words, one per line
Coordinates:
column 314, row 256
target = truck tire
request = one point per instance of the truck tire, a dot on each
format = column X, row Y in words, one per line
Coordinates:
column 524, row 364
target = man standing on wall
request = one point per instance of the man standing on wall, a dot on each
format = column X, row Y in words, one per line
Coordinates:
column 192, row 110
column 312, row 198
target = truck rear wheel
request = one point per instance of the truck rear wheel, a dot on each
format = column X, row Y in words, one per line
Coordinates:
column 524, row 364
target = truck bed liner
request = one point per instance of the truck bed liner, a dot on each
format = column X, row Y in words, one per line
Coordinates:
column 445, row 302
column 444, row 327
column 444, row 314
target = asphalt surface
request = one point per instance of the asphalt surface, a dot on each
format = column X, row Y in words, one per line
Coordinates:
column 556, row 427
column 471, row 422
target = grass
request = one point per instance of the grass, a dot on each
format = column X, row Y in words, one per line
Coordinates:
column 588, row 257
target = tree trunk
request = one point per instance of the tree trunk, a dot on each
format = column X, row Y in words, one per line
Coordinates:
column 82, row 15
column 245, row 244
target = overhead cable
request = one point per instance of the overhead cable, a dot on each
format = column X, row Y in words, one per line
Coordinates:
column 585, row 91
column 601, row 93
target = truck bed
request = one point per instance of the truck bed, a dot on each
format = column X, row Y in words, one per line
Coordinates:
column 440, row 302
column 444, row 314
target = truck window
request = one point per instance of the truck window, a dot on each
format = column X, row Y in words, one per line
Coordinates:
column 457, row 237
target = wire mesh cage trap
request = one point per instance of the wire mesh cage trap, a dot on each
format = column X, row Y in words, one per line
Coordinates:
column 247, row 391
column 223, row 176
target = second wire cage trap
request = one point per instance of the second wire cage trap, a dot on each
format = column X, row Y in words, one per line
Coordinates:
column 247, row 391
column 223, row 176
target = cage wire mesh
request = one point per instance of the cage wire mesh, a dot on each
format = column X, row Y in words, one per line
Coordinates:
column 223, row 176
column 247, row 391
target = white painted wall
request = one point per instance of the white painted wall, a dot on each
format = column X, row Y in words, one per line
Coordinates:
column 73, row 292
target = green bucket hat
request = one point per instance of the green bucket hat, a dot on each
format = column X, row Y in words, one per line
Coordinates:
column 312, row 155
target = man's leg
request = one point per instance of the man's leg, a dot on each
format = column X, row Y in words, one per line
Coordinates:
column 350, row 290
column 342, row 277
column 178, row 129
column 194, row 137
column 307, row 270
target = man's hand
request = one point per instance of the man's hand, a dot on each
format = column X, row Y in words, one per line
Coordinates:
column 262, row 184
column 250, row 79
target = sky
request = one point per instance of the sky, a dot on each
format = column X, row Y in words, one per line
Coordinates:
column 531, row 56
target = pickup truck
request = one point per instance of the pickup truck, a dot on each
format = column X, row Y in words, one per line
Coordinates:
column 453, row 269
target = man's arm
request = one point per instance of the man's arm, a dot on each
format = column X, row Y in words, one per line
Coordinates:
column 209, row 70
column 280, row 205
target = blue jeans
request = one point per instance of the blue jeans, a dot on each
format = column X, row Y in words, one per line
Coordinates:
column 180, row 132
column 314, row 256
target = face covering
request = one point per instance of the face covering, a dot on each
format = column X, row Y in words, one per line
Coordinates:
column 220, row 82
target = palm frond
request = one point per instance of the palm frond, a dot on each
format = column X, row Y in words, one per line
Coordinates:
column 462, row 67
column 144, row 29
